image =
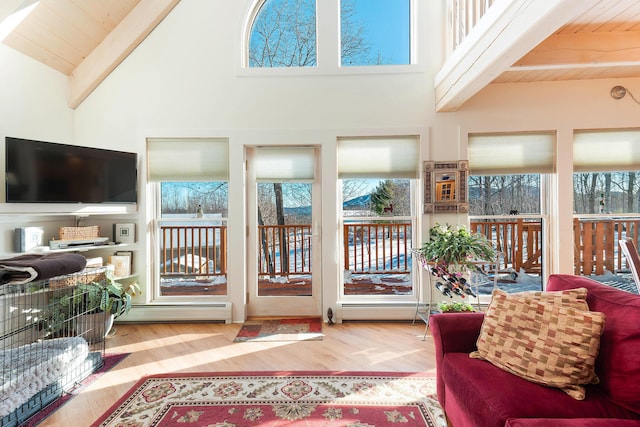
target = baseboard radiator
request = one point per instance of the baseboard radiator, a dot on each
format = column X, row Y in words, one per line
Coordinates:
column 220, row 312
column 371, row 311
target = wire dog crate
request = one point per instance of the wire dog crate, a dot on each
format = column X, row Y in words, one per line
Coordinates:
column 51, row 338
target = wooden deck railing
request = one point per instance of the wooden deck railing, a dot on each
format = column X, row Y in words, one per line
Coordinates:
column 193, row 250
column 519, row 241
column 384, row 248
column 377, row 248
column 596, row 246
column 284, row 250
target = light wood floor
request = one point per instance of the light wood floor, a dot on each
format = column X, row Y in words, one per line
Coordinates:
column 205, row 347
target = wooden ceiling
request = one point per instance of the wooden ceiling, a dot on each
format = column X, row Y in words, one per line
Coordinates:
column 83, row 39
column 585, row 39
column 602, row 42
column 62, row 33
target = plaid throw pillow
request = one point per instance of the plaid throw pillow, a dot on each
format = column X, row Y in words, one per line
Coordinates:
column 549, row 338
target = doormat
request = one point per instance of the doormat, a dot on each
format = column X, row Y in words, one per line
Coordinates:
column 298, row 329
column 271, row 399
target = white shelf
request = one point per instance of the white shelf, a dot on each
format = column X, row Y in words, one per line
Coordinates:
column 108, row 246
column 43, row 250
column 66, row 209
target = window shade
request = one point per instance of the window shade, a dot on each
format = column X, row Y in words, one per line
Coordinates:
column 617, row 150
column 174, row 159
column 284, row 164
column 510, row 154
column 384, row 157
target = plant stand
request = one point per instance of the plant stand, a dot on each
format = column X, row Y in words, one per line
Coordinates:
column 424, row 309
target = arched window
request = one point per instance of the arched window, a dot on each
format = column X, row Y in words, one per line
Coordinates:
column 283, row 34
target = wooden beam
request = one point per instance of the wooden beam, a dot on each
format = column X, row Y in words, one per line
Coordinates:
column 133, row 29
column 505, row 34
column 585, row 48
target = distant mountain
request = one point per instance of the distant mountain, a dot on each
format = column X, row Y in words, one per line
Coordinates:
column 299, row 211
column 359, row 203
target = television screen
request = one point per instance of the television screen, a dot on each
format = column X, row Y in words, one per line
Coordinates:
column 47, row 172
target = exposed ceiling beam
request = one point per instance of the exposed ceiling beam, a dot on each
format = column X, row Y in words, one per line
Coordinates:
column 585, row 49
column 505, row 34
column 137, row 25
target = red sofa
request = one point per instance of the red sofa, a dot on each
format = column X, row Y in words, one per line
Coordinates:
column 474, row 392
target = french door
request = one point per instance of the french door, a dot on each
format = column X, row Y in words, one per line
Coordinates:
column 283, row 245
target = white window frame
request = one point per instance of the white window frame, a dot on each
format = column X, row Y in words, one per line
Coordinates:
column 328, row 55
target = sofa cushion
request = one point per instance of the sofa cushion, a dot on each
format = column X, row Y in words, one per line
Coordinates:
column 545, row 338
column 618, row 364
column 477, row 390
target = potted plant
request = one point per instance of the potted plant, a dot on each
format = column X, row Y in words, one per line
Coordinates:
column 455, row 307
column 91, row 308
column 452, row 253
column 456, row 248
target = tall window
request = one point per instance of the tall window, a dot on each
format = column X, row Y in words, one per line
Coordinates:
column 192, row 199
column 506, row 195
column 606, row 197
column 283, row 34
column 378, row 214
column 374, row 32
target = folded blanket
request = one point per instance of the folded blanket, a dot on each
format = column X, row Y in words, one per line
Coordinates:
column 26, row 268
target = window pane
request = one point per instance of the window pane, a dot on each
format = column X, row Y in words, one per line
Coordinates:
column 504, row 194
column 285, row 239
column 377, row 242
column 518, row 239
column 374, row 32
column 284, row 34
column 606, row 192
column 376, row 197
column 192, row 238
column 183, row 198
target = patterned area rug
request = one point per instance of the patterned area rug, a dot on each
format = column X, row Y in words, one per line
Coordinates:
column 271, row 399
column 299, row 329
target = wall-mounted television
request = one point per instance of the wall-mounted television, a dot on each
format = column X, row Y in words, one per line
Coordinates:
column 47, row 172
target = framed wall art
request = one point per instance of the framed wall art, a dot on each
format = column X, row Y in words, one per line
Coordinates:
column 445, row 186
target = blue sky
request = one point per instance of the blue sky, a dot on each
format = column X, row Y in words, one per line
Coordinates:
column 387, row 27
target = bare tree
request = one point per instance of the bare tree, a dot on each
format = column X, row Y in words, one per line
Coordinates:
column 284, row 35
column 354, row 46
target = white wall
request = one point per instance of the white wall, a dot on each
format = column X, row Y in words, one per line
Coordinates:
column 33, row 104
column 185, row 80
column 34, row 101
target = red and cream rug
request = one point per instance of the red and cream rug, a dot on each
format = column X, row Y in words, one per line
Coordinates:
column 287, row 329
column 271, row 399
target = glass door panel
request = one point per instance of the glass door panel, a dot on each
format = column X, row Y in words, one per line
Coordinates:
column 285, row 239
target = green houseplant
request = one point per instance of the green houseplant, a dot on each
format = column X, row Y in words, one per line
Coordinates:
column 455, row 307
column 88, row 304
column 456, row 249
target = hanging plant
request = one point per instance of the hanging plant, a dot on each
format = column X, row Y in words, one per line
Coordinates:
column 456, row 249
